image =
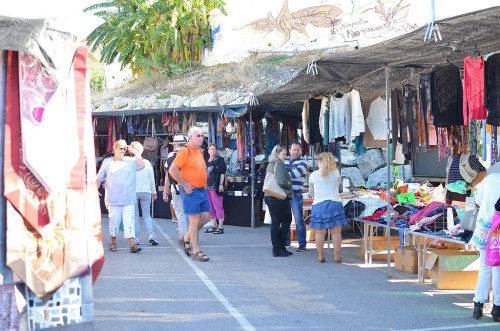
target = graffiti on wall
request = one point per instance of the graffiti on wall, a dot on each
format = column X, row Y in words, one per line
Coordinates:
column 285, row 22
column 387, row 20
column 384, row 19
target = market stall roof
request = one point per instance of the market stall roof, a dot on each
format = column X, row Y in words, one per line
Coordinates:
column 407, row 56
column 228, row 110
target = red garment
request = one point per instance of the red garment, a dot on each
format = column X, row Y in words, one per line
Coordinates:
column 474, row 89
column 21, row 188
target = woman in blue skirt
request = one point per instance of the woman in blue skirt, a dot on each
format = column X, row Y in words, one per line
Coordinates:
column 327, row 209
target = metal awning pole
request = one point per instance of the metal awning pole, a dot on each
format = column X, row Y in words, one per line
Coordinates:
column 252, row 173
column 388, row 120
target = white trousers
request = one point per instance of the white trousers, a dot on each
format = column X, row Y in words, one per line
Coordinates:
column 116, row 215
column 182, row 219
column 487, row 275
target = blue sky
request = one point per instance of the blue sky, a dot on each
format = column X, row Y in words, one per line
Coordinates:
column 44, row 8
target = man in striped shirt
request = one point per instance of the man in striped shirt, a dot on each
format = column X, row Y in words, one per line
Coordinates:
column 297, row 167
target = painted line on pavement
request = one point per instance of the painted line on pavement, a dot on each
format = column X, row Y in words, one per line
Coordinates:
column 456, row 327
column 245, row 324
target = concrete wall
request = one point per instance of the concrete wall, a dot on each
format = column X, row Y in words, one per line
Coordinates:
column 282, row 26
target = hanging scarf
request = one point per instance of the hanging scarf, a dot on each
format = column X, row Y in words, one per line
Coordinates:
column 463, row 133
column 475, row 137
column 442, row 142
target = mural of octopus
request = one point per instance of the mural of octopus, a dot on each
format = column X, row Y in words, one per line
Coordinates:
column 319, row 16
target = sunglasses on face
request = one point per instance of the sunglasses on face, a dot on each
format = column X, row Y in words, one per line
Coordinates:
column 123, row 148
column 198, row 135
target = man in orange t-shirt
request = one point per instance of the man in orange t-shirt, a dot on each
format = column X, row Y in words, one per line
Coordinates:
column 189, row 170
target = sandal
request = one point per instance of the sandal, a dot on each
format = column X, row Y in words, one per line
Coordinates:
column 185, row 246
column 199, row 256
column 135, row 249
column 211, row 229
column 219, row 231
column 112, row 247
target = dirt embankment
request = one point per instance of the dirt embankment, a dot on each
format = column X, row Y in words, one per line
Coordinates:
column 257, row 74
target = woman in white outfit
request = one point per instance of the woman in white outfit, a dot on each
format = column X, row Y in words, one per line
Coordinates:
column 488, row 200
column 145, row 189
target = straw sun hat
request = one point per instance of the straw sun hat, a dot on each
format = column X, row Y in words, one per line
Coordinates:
column 179, row 139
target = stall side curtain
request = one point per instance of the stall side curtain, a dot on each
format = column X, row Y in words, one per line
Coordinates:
column 447, row 96
column 315, row 136
column 492, row 88
column 473, row 108
column 396, row 105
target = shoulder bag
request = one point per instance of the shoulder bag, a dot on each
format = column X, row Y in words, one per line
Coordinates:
column 271, row 186
column 493, row 246
column 468, row 221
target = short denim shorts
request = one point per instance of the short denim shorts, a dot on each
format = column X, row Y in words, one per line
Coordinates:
column 196, row 202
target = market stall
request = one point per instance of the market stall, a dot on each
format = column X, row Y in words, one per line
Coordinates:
column 397, row 63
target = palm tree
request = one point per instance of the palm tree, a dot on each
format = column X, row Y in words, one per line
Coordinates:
column 153, row 35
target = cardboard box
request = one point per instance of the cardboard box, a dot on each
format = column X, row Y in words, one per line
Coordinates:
column 406, row 259
column 379, row 247
column 453, row 269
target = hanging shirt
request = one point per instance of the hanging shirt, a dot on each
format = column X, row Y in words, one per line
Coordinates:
column 315, row 106
column 376, row 119
column 492, row 89
column 473, row 89
column 447, row 95
column 357, row 118
column 340, row 118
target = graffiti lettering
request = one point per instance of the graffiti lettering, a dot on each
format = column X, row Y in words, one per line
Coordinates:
column 385, row 28
column 354, row 24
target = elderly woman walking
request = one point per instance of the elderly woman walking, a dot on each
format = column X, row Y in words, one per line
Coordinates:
column 118, row 174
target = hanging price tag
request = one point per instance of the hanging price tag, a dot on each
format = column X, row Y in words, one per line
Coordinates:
column 407, row 198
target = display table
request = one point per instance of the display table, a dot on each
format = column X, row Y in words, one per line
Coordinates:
column 368, row 229
column 423, row 245
column 238, row 208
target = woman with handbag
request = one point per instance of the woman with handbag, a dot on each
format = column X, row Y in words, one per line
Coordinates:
column 488, row 200
column 216, row 176
column 277, row 194
column 327, row 211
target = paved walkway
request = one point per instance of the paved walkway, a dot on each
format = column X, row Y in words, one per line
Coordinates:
column 243, row 287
